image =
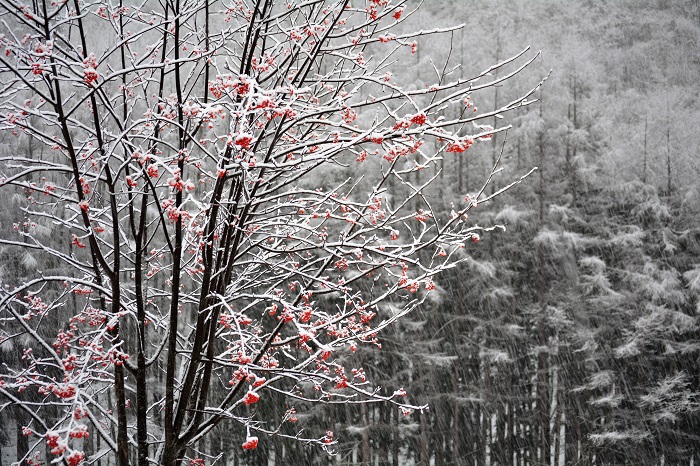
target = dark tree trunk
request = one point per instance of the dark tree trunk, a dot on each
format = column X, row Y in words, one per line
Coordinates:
column 397, row 440
column 365, row 448
column 21, row 420
column 438, row 436
column 384, row 437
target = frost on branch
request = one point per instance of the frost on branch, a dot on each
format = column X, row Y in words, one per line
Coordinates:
column 209, row 252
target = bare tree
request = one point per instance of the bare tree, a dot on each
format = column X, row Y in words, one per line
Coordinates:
column 209, row 258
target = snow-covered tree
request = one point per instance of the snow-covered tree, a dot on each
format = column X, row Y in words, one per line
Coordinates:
column 205, row 253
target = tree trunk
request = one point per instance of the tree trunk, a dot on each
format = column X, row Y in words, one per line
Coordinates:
column 365, row 448
column 397, row 440
column 423, row 441
column 456, row 413
column 21, row 420
column 644, row 169
column 384, row 436
column 438, row 437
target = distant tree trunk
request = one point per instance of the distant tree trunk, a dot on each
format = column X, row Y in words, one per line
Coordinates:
column 499, row 450
column 509, row 421
column 384, row 436
column 505, row 428
column 519, row 433
column 644, row 170
column 574, row 178
column 557, row 438
column 542, row 389
column 484, row 436
column 557, row 417
column 277, row 441
column 471, row 438
column 97, row 439
column 569, row 164
column 438, row 436
column 21, row 420
column 573, row 428
column 532, row 429
column 365, row 449
column 456, row 414
column 22, row 443
column 489, row 402
column 668, row 147
column 542, row 188
column 423, row 441
column 397, row 440
column 89, row 445
column 669, row 186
